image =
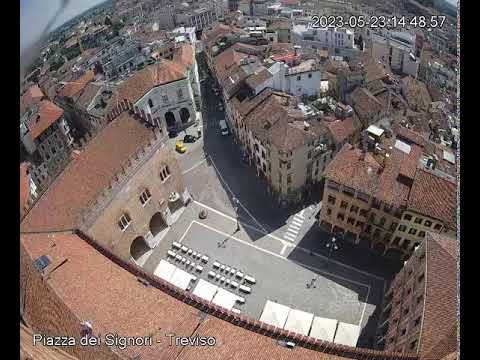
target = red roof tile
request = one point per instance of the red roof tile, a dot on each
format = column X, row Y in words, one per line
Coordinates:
column 41, row 119
column 409, row 164
column 86, row 176
column 184, row 55
column 435, row 197
column 342, row 129
column 74, row 87
column 439, row 326
column 32, row 96
column 144, row 80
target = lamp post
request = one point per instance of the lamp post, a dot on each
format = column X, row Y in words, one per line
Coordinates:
column 331, row 246
column 235, row 206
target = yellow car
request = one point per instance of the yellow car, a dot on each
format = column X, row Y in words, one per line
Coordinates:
column 180, row 147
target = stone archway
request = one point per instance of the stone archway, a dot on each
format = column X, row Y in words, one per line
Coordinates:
column 138, row 248
column 184, row 115
column 170, row 119
column 157, row 224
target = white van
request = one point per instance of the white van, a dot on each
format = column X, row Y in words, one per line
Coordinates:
column 223, row 127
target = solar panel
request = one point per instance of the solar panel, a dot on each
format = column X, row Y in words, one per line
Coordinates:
column 42, row 262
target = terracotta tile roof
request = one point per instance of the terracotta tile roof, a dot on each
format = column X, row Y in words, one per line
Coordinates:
column 274, row 116
column 24, row 185
column 390, row 189
column 143, row 81
column 416, row 94
column 43, row 117
column 38, row 351
column 435, row 197
column 439, row 326
column 32, row 96
column 365, row 105
column 410, row 163
column 67, row 293
column 342, row 129
column 84, row 98
column 226, row 62
column 74, row 87
column 259, row 78
column 184, row 55
column 75, row 284
column 86, row 176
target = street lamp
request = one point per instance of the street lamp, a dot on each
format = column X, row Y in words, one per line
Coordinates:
column 331, row 246
column 235, row 207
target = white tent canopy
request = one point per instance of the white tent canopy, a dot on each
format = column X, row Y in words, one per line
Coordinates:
column 275, row 314
column 299, row 321
column 323, row 328
column 347, row 334
column 164, row 270
column 225, row 299
column 205, row 290
column 181, row 279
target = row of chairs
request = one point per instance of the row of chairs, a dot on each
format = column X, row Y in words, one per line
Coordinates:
column 183, row 260
column 231, row 271
column 190, row 252
column 229, row 282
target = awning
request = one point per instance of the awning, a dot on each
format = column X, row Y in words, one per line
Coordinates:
column 275, row 314
column 299, row 321
column 347, row 334
column 181, row 279
column 225, row 299
column 164, row 270
column 205, row 290
column 323, row 328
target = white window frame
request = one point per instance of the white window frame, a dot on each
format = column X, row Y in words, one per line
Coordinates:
column 125, row 221
column 145, row 197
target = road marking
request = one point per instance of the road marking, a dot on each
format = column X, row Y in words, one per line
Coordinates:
column 296, row 222
column 298, row 218
column 289, row 237
column 301, row 212
column 283, row 249
column 296, row 227
column 293, row 231
column 322, row 271
column 185, row 233
column 244, row 208
column 194, row 166
column 283, row 242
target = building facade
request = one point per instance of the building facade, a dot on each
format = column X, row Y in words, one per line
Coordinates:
column 46, row 138
column 333, row 39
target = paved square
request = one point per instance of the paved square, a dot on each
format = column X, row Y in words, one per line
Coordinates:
column 281, row 279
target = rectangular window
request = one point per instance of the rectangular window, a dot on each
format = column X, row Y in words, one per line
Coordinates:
column 412, row 231
column 427, row 223
column 165, row 98
column 333, row 185
column 348, row 191
column 418, row 220
column 419, row 299
column 402, row 228
column 403, row 332
column 341, row 216
column 376, row 204
column 331, row 200
column 421, row 234
column 145, row 197
column 396, row 241
column 363, row 212
column 413, row 345
column 344, row 204
column 329, row 211
column 299, row 78
column 164, row 173
column 393, row 226
column 309, row 76
column 289, row 179
column 351, row 221
column 124, row 222
column 180, row 93
column 363, row 197
column 354, row 209
column 421, row 277
column 407, row 217
column 437, row 227
column 417, row 321
column 359, row 224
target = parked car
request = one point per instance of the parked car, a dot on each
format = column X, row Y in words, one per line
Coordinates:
column 189, row 138
column 172, row 134
column 180, row 147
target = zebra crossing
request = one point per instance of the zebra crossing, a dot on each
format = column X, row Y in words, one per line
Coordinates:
column 294, row 227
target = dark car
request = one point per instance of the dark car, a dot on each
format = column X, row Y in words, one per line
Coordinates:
column 189, row 139
column 172, row 134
